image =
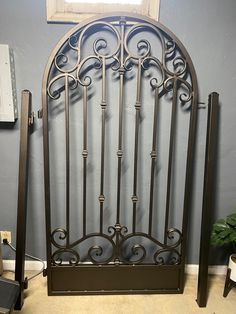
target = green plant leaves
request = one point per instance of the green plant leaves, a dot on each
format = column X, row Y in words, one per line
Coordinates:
column 231, row 220
column 224, row 230
column 221, row 225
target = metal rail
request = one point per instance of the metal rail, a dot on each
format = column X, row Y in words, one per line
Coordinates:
column 22, row 195
column 208, row 196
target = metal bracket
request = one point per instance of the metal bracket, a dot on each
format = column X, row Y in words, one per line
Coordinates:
column 45, row 272
column 201, row 105
column 40, row 113
column 25, row 283
column 31, row 118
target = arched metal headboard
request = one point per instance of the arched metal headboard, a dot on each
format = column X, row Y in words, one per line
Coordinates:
column 111, row 218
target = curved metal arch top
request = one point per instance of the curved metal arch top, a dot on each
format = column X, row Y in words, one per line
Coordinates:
column 115, row 19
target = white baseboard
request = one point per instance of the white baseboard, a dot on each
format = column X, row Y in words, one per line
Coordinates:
column 9, row 265
column 191, row 269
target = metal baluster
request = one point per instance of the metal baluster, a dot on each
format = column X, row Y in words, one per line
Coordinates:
column 67, row 129
column 170, row 162
column 103, row 105
column 85, row 155
column 137, row 118
column 153, row 157
column 121, row 105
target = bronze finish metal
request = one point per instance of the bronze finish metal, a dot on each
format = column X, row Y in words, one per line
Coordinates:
column 208, row 196
column 26, row 122
column 118, row 272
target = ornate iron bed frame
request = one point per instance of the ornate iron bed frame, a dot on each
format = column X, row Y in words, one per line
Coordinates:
column 121, row 262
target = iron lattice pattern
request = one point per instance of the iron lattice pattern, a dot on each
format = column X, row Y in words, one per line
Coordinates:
column 122, row 48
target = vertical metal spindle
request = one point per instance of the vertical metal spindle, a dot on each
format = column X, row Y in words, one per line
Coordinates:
column 67, row 130
column 137, row 120
column 47, row 191
column 85, row 155
column 103, row 106
column 189, row 180
column 170, row 161
column 153, row 157
column 121, row 105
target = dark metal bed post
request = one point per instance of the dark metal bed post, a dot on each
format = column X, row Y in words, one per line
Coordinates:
column 22, row 195
column 208, row 197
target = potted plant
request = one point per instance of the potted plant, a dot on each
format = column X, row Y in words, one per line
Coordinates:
column 224, row 232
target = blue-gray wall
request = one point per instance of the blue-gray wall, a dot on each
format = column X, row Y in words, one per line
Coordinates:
column 207, row 28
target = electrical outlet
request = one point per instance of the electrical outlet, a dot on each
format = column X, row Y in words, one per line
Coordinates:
column 5, row 235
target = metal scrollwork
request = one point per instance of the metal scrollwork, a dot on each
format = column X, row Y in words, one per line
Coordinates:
column 138, row 254
column 117, row 229
column 118, row 239
column 73, row 259
column 55, row 93
column 154, row 81
column 170, row 56
column 167, row 71
column 175, row 236
column 143, row 45
column 87, row 80
column 96, row 251
column 58, row 236
column 168, row 256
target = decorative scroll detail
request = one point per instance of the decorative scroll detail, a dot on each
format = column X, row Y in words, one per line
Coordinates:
column 154, row 82
column 94, row 252
column 56, row 93
column 62, row 60
column 117, row 230
column 170, row 65
column 118, row 239
column 172, row 257
column 73, row 259
column 57, row 235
